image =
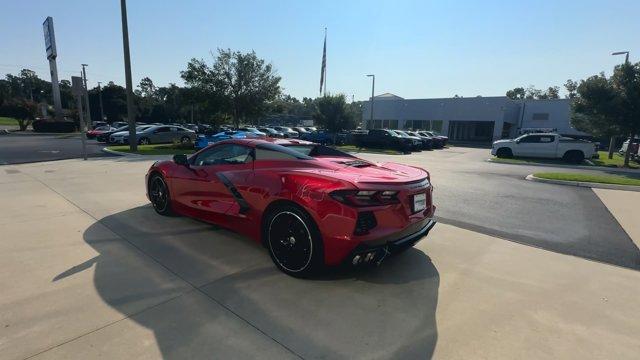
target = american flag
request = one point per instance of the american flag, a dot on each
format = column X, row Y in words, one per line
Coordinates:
column 323, row 70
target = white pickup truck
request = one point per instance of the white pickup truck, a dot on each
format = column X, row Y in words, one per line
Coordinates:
column 547, row 145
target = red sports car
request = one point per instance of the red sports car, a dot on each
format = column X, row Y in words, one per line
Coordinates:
column 312, row 206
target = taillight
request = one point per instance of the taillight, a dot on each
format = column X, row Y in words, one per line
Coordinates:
column 365, row 197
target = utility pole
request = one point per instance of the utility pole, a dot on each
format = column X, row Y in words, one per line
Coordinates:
column 133, row 141
column 86, row 96
column 78, row 90
column 52, row 54
column 373, row 87
column 100, row 97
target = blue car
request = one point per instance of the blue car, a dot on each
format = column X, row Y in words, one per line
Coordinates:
column 204, row 140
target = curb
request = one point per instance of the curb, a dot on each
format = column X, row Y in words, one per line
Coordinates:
column 530, row 177
column 576, row 167
column 119, row 153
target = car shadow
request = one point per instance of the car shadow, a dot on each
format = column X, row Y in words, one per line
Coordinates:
column 382, row 312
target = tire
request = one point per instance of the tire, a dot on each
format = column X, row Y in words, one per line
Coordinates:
column 504, row 153
column 185, row 140
column 144, row 141
column 294, row 241
column 159, row 195
column 573, row 156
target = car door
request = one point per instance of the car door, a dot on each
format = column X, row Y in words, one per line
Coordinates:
column 160, row 134
column 208, row 187
column 536, row 146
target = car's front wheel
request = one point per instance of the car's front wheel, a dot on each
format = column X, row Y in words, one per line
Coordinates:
column 159, row 195
column 294, row 242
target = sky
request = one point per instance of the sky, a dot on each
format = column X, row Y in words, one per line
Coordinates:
column 416, row 49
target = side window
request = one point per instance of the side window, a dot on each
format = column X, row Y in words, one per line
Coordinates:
column 174, row 129
column 162, row 129
column 224, row 155
column 530, row 139
column 546, row 139
column 266, row 154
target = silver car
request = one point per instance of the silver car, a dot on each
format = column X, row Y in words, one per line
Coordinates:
column 160, row 134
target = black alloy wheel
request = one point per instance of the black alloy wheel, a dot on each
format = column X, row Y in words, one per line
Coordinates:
column 293, row 241
column 159, row 195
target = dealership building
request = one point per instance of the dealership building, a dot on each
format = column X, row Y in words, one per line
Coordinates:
column 480, row 119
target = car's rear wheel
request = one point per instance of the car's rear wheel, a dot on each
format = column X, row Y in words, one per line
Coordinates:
column 504, row 153
column 294, row 242
column 159, row 195
column 185, row 140
column 144, row 141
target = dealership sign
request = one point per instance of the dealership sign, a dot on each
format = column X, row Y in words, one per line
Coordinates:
column 49, row 38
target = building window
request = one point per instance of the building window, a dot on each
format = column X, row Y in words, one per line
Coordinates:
column 408, row 124
column 377, row 124
column 393, row 124
column 540, row 116
column 436, row 125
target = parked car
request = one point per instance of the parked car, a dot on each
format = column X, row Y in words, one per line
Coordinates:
column 416, row 142
column 383, row 138
column 436, row 134
column 157, row 135
column 427, row 141
column 271, row 132
column 287, row 131
column 118, row 124
column 92, row 134
column 301, row 130
column 551, row 146
column 285, row 195
column 252, row 130
column 633, row 152
column 324, row 137
column 311, row 128
column 437, row 142
column 206, row 140
column 106, row 136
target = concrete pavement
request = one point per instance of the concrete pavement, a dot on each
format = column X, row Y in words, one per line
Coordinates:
column 89, row 270
column 625, row 207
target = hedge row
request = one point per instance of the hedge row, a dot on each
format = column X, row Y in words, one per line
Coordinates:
column 53, row 126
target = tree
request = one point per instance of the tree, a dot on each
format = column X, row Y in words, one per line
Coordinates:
column 516, row 93
column 609, row 106
column 23, row 110
column 239, row 83
column 572, row 88
column 334, row 114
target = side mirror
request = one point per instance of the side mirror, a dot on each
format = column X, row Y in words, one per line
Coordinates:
column 517, row 141
column 181, row 159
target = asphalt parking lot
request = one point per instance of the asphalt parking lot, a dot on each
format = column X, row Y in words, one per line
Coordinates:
column 26, row 148
column 89, row 270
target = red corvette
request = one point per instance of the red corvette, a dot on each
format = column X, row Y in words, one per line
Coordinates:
column 312, row 206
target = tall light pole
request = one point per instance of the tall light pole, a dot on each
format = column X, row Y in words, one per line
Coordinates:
column 626, row 53
column 86, row 95
column 373, row 88
column 133, row 142
column 100, row 98
column 612, row 141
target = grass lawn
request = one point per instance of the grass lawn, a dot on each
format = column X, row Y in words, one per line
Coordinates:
column 8, row 121
column 622, row 179
column 355, row 149
column 533, row 161
column 158, row 149
column 617, row 160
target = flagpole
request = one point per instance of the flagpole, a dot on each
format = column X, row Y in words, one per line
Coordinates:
column 325, row 63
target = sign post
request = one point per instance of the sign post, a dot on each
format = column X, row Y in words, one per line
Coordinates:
column 52, row 54
column 77, row 88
